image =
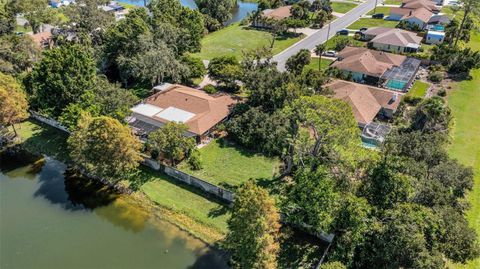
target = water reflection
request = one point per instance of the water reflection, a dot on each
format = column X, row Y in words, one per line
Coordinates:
column 57, row 219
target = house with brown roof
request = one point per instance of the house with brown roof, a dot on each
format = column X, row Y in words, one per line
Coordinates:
column 392, row 39
column 415, row 12
column 367, row 102
column 43, row 39
column 276, row 14
column 200, row 111
column 428, row 4
column 365, row 65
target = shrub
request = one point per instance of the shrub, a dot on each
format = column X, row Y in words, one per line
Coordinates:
column 412, row 100
column 435, row 76
column 442, row 92
column 154, row 154
column 210, row 89
column 194, row 161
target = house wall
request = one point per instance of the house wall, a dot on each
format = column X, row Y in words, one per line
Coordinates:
column 357, row 77
column 387, row 47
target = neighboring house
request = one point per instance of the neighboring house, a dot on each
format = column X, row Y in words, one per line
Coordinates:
column 59, row 3
column 434, row 37
column 200, row 111
column 276, row 14
column 43, row 39
column 419, row 16
column 392, row 39
column 416, row 4
column 365, row 65
column 438, row 19
column 112, row 7
column 367, row 102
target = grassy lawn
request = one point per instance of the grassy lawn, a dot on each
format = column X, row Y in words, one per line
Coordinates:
column 380, row 9
column 228, row 165
column 465, row 104
column 393, row 2
column 22, row 29
column 332, row 42
column 234, row 39
column 342, row 7
column 419, row 89
column 180, row 204
column 367, row 23
column 314, row 64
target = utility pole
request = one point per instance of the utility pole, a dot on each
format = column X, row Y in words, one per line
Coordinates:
column 375, row 8
column 328, row 32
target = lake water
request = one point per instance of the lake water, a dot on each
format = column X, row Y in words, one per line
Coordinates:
column 238, row 14
column 49, row 220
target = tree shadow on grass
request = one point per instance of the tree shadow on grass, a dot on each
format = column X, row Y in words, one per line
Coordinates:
column 227, row 143
column 299, row 250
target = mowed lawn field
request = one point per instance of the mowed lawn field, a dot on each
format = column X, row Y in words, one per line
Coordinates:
column 342, row 7
column 368, row 23
column 232, row 40
column 314, row 64
column 228, row 165
column 419, row 89
column 465, row 104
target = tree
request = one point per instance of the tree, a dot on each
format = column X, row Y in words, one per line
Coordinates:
column 17, row 53
column 333, row 265
column 253, row 237
column 85, row 17
column 385, row 187
column 226, row 70
column 36, row 12
column 469, row 7
column 311, row 202
column 105, row 148
column 13, row 102
column 220, row 10
column 170, row 140
column 195, row 66
column 7, row 18
column 155, row 64
column 297, row 62
column 63, row 75
column 432, row 115
column 319, row 50
column 325, row 131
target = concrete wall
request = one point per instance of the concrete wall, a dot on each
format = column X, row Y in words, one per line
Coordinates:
column 386, row 47
column 48, row 121
column 416, row 21
column 434, row 39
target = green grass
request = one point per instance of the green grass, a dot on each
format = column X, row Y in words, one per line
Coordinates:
column 419, row 89
column 185, row 199
column 22, row 29
column 234, row 39
column 314, row 64
column 40, row 138
column 368, row 23
column 342, row 7
column 465, row 104
column 228, row 165
column 380, row 9
column 331, row 43
column 393, row 2
column 185, row 206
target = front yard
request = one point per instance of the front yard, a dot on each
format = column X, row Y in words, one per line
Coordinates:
column 234, row 39
column 314, row 64
column 342, row 7
column 368, row 23
column 419, row 89
column 228, row 165
column 384, row 10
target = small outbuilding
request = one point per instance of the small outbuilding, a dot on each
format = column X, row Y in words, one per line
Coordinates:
column 434, row 37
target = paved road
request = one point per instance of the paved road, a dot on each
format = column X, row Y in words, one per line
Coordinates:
column 320, row 36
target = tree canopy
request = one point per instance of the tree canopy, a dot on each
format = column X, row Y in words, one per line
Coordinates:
column 13, row 102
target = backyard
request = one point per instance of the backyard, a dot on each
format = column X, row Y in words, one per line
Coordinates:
column 228, row 165
column 183, row 205
column 464, row 101
column 234, row 39
column 367, row 23
column 342, row 7
column 419, row 89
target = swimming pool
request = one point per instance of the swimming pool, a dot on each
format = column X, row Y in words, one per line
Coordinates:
column 396, row 85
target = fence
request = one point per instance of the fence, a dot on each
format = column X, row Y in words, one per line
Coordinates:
column 48, row 121
column 188, row 179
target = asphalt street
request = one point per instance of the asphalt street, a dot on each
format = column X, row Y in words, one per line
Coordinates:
column 320, row 36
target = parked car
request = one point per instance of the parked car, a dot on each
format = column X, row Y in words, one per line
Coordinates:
column 378, row 16
column 330, row 53
column 363, row 29
column 342, row 32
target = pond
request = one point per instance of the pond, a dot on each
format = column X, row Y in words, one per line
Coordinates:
column 52, row 219
column 238, row 14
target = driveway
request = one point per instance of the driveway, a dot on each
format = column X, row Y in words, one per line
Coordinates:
column 320, row 36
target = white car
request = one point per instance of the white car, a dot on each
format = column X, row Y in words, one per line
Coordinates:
column 330, row 53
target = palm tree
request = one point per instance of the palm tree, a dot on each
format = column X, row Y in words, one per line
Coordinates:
column 469, row 7
column 319, row 49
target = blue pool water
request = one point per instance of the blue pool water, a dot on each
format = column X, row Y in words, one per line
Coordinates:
column 396, row 85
